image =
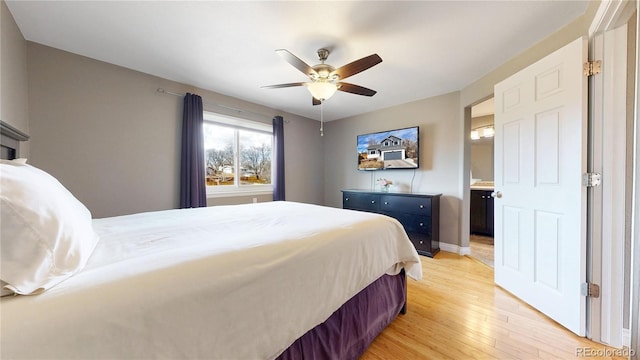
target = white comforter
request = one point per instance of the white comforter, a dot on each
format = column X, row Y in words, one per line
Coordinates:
column 224, row 282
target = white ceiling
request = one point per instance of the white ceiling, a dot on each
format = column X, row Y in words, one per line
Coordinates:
column 428, row 48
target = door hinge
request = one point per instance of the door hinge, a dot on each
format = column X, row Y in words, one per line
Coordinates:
column 591, row 179
column 590, row 290
column 592, row 67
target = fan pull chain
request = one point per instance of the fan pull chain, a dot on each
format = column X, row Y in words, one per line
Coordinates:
column 321, row 118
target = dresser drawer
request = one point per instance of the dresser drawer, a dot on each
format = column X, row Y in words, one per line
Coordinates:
column 366, row 202
column 412, row 205
column 414, row 223
column 422, row 242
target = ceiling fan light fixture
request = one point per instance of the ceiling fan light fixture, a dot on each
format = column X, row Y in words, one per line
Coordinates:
column 325, row 79
column 322, row 90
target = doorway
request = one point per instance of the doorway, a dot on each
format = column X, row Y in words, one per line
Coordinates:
column 481, row 183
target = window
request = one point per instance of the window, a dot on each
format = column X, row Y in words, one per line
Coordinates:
column 237, row 155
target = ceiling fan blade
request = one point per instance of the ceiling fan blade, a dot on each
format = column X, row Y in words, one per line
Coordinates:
column 296, row 62
column 357, row 66
column 356, row 89
column 283, row 85
column 315, row 101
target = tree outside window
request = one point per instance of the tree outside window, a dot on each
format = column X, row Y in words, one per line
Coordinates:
column 237, row 157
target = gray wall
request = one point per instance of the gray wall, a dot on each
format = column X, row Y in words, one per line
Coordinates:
column 113, row 140
column 482, row 159
column 13, row 75
column 440, row 136
column 482, row 151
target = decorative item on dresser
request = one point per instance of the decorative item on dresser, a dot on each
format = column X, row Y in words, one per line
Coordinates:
column 419, row 213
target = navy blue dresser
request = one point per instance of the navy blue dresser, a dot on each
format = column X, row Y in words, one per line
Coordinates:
column 418, row 213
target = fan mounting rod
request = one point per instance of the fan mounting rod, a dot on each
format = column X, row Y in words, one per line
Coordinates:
column 323, row 54
column 323, row 71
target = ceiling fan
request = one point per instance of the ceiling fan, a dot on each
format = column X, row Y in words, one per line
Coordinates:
column 325, row 79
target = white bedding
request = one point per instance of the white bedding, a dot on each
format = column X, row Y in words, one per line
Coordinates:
column 224, row 282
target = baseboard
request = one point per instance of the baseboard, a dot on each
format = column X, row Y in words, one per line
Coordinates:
column 626, row 338
column 460, row 250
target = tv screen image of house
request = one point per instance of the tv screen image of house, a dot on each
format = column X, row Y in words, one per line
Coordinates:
column 393, row 149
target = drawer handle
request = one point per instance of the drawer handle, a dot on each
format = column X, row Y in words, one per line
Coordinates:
column 346, row 199
column 421, row 224
column 386, row 203
column 421, row 206
column 373, row 201
column 421, row 242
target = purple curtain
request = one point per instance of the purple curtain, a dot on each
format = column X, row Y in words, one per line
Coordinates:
column 192, row 181
column 278, row 157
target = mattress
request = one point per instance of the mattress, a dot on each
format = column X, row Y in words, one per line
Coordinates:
column 223, row 282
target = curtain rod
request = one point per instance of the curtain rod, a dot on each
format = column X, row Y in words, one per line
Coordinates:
column 163, row 91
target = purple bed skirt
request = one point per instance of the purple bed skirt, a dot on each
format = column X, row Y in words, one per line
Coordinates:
column 349, row 331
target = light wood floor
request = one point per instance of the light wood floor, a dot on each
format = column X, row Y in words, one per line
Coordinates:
column 456, row 312
column 481, row 248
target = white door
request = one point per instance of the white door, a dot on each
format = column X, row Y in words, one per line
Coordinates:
column 540, row 203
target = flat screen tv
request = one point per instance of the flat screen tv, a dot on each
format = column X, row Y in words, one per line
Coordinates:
column 393, row 149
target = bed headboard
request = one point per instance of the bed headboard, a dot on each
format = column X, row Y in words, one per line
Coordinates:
column 10, row 138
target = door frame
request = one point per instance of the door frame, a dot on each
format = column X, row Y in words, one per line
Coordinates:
column 635, row 209
column 635, row 222
column 607, row 219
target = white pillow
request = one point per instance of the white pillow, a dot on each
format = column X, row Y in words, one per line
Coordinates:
column 46, row 234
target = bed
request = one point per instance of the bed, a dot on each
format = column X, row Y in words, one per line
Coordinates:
column 257, row 281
